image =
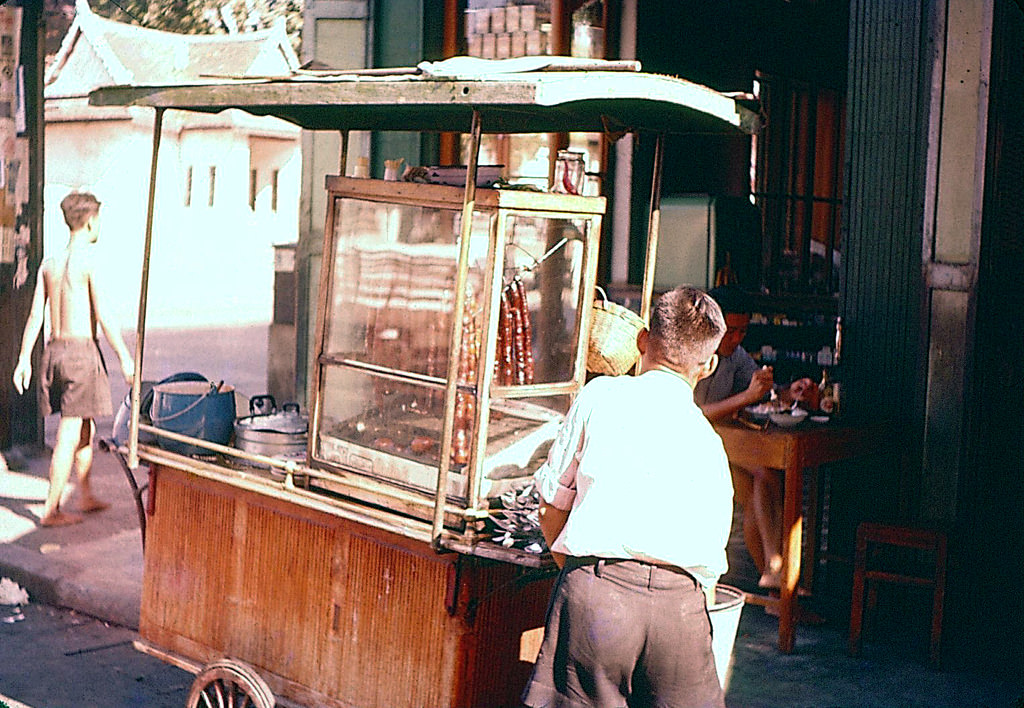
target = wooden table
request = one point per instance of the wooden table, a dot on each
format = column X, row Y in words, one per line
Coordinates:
column 793, row 450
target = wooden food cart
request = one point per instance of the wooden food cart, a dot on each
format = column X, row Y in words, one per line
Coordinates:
column 451, row 338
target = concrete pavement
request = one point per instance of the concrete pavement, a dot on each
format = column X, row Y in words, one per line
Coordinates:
column 95, row 566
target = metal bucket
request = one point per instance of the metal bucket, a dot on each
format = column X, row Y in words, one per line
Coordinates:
column 725, row 621
column 198, row 409
column 267, row 431
column 121, row 420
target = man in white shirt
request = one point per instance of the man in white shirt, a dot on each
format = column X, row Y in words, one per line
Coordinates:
column 736, row 383
column 636, row 506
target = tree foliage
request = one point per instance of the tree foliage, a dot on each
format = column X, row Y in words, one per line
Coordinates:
column 205, row 16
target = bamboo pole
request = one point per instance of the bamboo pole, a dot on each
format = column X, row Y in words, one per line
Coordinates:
column 140, row 328
column 653, row 226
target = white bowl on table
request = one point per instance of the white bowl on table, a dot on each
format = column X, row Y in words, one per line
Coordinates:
column 788, row 418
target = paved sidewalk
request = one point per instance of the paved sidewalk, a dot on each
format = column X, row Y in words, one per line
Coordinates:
column 95, row 566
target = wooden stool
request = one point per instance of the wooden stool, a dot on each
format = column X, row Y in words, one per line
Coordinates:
column 902, row 536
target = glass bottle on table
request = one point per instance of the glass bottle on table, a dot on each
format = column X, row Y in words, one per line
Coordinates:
column 838, row 348
column 569, row 172
column 826, row 400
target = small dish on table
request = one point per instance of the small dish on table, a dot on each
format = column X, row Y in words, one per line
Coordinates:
column 762, row 411
column 788, row 418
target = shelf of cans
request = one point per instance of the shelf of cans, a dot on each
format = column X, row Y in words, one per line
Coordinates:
column 503, row 30
column 509, row 30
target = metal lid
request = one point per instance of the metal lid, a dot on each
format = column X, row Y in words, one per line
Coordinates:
column 288, row 420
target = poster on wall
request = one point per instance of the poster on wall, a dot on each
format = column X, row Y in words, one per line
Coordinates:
column 10, row 51
column 13, row 175
column 15, row 194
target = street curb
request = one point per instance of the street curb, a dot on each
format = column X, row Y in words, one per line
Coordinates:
column 38, row 576
column 51, row 582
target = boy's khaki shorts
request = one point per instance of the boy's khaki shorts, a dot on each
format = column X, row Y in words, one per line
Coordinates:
column 75, row 382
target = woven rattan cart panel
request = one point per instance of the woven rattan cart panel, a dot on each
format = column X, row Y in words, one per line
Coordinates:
column 330, row 612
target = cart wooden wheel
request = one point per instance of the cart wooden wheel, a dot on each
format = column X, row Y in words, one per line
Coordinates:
column 229, row 684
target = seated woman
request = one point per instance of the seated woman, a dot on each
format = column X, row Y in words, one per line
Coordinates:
column 739, row 382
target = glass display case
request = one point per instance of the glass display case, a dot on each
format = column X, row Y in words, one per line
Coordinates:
column 389, row 307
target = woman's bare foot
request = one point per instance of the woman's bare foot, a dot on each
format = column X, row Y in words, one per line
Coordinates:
column 91, row 504
column 60, row 518
column 773, row 582
column 771, row 578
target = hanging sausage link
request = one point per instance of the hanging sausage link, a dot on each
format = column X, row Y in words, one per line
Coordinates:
column 465, row 402
column 507, row 325
column 513, row 362
column 519, row 339
column 524, row 309
column 500, row 344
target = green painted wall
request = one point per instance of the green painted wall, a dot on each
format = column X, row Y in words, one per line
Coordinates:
column 406, row 32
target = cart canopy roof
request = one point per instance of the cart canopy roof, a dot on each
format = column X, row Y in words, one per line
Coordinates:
column 527, row 95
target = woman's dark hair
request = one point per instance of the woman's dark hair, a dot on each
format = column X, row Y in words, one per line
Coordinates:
column 731, row 299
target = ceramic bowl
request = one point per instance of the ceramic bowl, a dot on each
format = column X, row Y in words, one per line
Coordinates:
column 787, row 419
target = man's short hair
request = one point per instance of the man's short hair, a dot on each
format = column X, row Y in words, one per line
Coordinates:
column 78, row 208
column 731, row 299
column 688, row 325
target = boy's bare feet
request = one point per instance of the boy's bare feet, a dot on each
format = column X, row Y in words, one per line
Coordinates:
column 92, row 504
column 60, row 518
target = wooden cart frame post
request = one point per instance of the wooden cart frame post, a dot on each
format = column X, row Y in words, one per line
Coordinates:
column 140, row 332
column 448, row 424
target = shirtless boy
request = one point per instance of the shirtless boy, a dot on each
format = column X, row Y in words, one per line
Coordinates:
column 74, row 379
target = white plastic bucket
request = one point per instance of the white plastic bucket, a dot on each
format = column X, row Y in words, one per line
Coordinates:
column 725, row 621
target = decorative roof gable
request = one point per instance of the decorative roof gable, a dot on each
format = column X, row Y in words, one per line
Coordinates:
column 101, row 52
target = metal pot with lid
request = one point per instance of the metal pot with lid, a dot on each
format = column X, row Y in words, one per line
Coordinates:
column 272, row 432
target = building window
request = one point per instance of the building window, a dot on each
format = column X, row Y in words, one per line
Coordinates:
column 274, row 177
column 213, row 184
column 797, row 183
column 188, row 186
column 253, row 182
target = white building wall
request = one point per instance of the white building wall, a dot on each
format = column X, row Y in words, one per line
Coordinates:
column 219, row 261
column 210, row 266
column 110, row 159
